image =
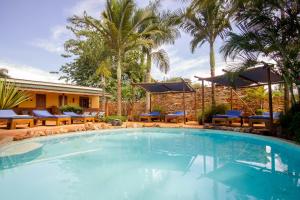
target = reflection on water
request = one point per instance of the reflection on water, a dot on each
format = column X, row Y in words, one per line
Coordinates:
column 157, row 164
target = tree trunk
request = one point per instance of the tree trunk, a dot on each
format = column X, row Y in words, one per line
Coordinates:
column 148, row 80
column 119, row 86
column 212, row 72
column 103, row 94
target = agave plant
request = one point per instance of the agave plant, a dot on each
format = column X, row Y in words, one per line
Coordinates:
column 11, row 95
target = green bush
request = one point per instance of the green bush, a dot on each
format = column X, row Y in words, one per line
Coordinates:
column 70, row 108
column 158, row 108
column 114, row 117
column 218, row 109
column 259, row 111
column 290, row 123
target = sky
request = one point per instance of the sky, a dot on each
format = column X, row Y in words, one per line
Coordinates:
column 32, row 34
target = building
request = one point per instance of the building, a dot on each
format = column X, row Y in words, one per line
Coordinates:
column 51, row 96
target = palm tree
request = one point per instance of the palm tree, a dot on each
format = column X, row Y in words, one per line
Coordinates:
column 11, row 95
column 119, row 26
column 3, row 73
column 166, row 24
column 268, row 29
column 205, row 21
column 104, row 72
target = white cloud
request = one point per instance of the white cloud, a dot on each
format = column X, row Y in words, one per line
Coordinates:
column 29, row 72
column 55, row 42
column 92, row 7
column 187, row 67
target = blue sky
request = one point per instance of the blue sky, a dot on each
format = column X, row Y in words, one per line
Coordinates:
column 33, row 33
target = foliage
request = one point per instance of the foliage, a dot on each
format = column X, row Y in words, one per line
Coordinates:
column 158, row 108
column 109, row 119
column 259, row 111
column 10, row 95
column 269, row 32
column 218, row 109
column 118, row 41
column 205, row 21
column 290, row 122
column 256, row 94
column 71, row 108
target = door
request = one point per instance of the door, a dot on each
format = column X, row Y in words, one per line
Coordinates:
column 41, row 101
column 84, row 102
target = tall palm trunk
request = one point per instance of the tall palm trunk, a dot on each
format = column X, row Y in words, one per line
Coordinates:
column 148, row 80
column 212, row 71
column 119, row 86
column 103, row 94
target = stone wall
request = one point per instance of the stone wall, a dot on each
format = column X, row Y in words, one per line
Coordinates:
column 193, row 102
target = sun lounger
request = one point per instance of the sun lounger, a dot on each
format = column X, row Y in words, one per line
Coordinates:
column 150, row 116
column 81, row 118
column 229, row 117
column 11, row 119
column 44, row 115
column 264, row 118
column 175, row 116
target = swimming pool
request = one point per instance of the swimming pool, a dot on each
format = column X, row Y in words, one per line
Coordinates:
column 153, row 163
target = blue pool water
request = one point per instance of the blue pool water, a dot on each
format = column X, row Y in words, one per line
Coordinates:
column 156, row 164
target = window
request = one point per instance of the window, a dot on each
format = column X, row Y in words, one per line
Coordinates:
column 62, row 101
column 84, row 102
column 40, row 100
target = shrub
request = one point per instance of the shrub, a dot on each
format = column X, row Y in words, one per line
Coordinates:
column 290, row 123
column 259, row 111
column 218, row 109
column 109, row 119
column 10, row 95
column 158, row 108
column 71, row 108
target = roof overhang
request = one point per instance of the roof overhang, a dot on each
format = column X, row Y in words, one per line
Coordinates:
column 40, row 86
column 166, row 87
column 256, row 76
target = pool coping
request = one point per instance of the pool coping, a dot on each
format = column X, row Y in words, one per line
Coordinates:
column 273, row 139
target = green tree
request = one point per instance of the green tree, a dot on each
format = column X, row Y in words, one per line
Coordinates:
column 166, row 24
column 205, row 21
column 268, row 29
column 104, row 72
column 120, row 28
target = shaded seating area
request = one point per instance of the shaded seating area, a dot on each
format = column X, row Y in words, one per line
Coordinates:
column 75, row 118
column 253, row 77
column 155, row 115
column 177, row 116
column 11, row 119
column 229, row 117
column 164, row 88
column 264, row 118
column 44, row 115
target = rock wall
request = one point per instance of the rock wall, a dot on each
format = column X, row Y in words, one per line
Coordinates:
column 193, row 102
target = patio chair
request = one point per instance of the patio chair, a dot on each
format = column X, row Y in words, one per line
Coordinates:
column 44, row 115
column 264, row 118
column 175, row 116
column 81, row 118
column 11, row 119
column 229, row 117
column 154, row 115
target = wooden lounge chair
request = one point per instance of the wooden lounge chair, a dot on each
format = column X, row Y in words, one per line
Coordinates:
column 81, row 118
column 179, row 115
column 228, row 118
column 150, row 116
column 11, row 119
column 264, row 118
column 44, row 115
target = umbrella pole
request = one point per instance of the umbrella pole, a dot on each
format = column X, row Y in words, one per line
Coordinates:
column 270, row 99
